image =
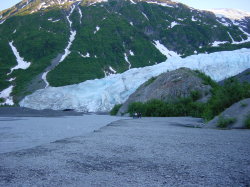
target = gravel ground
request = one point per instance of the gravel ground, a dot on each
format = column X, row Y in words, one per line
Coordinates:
column 143, row 152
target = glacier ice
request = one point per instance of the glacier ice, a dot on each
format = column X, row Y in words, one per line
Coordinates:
column 103, row 94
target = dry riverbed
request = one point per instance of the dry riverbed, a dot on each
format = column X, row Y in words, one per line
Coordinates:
column 126, row 152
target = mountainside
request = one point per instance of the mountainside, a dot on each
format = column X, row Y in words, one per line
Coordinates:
column 62, row 42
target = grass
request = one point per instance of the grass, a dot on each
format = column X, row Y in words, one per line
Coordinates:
column 247, row 121
column 224, row 122
column 115, row 109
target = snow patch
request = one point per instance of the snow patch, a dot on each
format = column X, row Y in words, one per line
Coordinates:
column 126, row 58
column 173, row 24
column 218, row 43
column 12, row 79
column 14, row 31
column 161, row 4
column 96, row 29
column 66, row 50
column 84, row 56
column 164, row 50
column 132, row 1
column 21, row 64
column 233, row 14
column 111, row 69
column 6, row 95
column 145, row 15
column 80, row 13
column 131, row 23
column 1, row 22
column 44, row 77
column 131, row 53
column 193, row 19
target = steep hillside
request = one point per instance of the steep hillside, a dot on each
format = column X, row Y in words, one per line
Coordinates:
column 56, row 43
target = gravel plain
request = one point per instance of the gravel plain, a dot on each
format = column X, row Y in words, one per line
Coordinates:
column 145, row 152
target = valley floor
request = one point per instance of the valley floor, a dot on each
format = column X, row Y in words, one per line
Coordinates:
column 126, row 152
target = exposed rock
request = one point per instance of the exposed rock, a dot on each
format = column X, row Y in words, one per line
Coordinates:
column 169, row 87
column 237, row 111
column 242, row 77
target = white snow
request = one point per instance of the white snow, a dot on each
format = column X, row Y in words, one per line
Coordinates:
column 218, row 43
column 174, row 24
column 80, row 13
column 21, row 64
column 66, row 50
column 164, row 50
column 132, row 2
column 14, row 31
column 111, row 69
column 103, row 94
column 50, row 19
column 44, row 77
column 193, row 19
column 12, row 79
column 145, row 15
column 233, row 14
column 241, row 42
column 6, row 95
column 161, row 4
column 126, row 58
column 71, row 38
column 131, row 23
column 84, row 56
column 1, row 22
column 96, row 29
column 131, row 53
column 71, row 11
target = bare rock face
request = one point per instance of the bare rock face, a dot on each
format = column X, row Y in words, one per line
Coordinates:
column 238, row 111
column 169, row 87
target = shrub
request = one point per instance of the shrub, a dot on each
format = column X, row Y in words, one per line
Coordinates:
column 243, row 104
column 247, row 121
column 225, row 122
column 196, row 95
column 115, row 109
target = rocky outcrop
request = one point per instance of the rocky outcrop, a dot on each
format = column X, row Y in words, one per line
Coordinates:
column 169, row 87
column 238, row 112
column 241, row 77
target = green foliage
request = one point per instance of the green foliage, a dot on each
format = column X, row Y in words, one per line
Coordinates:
column 206, row 79
column 247, row 121
column 243, row 104
column 225, row 122
column 115, row 109
column 150, row 81
column 222, row 98
column 196, row 95
column 1, row 100
column 184, row 107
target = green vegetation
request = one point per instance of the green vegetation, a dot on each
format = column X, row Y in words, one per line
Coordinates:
column 225, row 122
column 247, row 121
column 222, row 98
column 243, row 104
column 123, row 29
column 115, row 109
column 150, row 81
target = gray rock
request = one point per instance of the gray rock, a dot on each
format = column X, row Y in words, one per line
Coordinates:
column 239, row 111
column 241, row 77
column 169, row 87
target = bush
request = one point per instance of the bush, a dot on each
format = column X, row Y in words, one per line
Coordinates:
column 225, row 122
column 247, row 121
column 115, row 109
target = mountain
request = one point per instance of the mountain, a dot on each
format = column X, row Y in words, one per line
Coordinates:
column 47, row 44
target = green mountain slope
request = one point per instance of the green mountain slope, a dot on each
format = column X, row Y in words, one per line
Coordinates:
column 111, row 37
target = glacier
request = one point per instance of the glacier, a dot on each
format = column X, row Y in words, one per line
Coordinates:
column 102, row 94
